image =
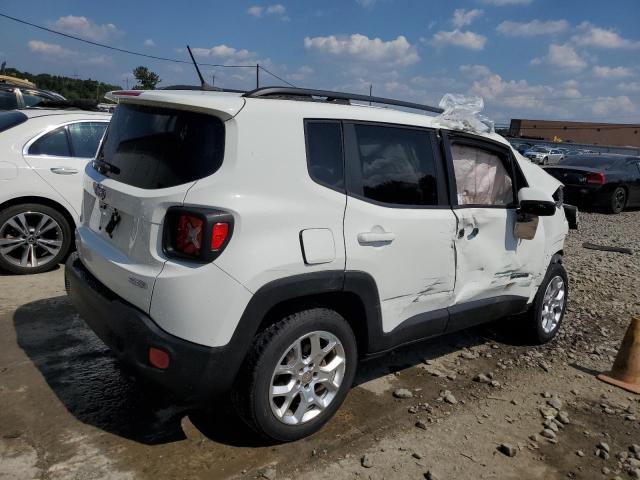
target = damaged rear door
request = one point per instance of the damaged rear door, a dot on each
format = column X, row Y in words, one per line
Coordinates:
column 495, row 271
column 398, row 225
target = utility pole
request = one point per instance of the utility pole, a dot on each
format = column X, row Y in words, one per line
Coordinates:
column 213, row 79
column 257, row 75
column 370, row 92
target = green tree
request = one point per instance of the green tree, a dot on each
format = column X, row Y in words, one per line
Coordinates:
column 147, row 80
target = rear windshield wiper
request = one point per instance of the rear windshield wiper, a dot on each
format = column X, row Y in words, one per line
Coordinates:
column 105, row 167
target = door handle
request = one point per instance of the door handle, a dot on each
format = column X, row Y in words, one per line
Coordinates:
column 375, row 237
column 63, row 170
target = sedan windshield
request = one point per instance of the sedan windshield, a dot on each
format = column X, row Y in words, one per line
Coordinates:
column 539, row 149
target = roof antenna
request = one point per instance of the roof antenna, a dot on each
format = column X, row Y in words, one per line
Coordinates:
column 203, row 84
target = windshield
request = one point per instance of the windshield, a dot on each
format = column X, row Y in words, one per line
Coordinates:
column 152, row 147
column 539, row 149
column 590, row 161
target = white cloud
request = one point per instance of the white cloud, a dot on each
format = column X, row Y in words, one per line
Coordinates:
column 462, row 17
column 629, row 87
column 301, row 73
column 229, row 55
column 593, row 36
column 608, row 105
column 50, row 49
column 474, row 71
column 532, row 28
column 457, row 38
column 362, row 48
column 276, row 9
column 563, row 57
column 366, row 3
column 54, row 52
column 86, row 28
column 149, row 42
column 502, row 3
column 612, row 72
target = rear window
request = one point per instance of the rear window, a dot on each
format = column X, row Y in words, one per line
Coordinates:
column 590, row 161
column 11, row 119
column 152, row 147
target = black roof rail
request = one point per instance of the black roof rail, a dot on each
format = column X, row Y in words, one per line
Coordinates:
column 198, row 87
column 332, row 96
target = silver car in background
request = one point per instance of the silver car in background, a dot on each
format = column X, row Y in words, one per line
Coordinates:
column 544, row 155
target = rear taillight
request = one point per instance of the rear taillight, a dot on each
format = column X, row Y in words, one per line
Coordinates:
column 219, row 235
column 595, row 178
column 198, row 234
column 189, row 235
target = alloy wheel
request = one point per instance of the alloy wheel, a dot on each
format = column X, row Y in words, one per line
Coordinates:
column 553, row 304
column 30, row 239
column 307, row 378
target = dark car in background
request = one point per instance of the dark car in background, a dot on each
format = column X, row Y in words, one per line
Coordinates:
column 607, row 181
column 15, row 94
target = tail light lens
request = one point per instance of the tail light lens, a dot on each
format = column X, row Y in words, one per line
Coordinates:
column 197, row 234
column 595, row 178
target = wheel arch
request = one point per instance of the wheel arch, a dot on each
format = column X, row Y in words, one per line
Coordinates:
column 353, row 295
column 49, row 203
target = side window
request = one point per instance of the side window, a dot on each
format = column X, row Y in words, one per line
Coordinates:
column 31, row 98
column 396, row 165
column 324, row 153
column 53, row 143
column 85, row 138
column 481, row 177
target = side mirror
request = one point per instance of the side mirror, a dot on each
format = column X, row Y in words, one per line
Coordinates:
column 535, row 202
column 532, row 204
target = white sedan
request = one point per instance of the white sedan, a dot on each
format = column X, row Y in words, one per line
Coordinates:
column 43, row 154
column 544, row 155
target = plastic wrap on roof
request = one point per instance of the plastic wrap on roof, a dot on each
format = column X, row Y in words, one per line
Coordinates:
column 462, row 112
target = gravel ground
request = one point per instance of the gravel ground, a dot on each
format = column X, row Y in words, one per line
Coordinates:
column 476, row 404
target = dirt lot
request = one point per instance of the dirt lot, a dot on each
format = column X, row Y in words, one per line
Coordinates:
column 67, row 410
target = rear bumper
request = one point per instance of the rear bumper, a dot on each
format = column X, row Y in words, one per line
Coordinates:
column 195, row 372
column 585, row 195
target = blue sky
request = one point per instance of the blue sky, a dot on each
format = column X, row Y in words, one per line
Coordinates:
column 566, row 59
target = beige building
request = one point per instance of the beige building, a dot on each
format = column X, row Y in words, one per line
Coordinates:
column 612, row 134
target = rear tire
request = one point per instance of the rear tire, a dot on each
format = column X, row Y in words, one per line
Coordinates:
column 34, row 238
column 273, row 365
column 618, row 200
column 544, row 317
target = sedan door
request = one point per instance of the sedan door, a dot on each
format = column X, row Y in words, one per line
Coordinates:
column 60, row 155
column 398, row 226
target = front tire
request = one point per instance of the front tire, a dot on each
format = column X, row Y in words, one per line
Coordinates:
column 544, row 317
column 296, row 375
column 34, row 238
column 618, row 200
column 545, row 160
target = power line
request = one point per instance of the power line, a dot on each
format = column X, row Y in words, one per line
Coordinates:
column 274, row 75
column 140, row 54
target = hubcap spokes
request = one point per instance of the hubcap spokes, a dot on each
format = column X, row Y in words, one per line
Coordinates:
column 553, row 304
column 307, row 378
column 30, row 239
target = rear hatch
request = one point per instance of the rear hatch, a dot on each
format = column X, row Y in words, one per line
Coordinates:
column 151, row 155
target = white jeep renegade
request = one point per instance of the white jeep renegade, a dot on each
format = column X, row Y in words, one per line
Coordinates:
column 263, row 243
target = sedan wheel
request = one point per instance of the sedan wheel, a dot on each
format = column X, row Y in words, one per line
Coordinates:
column 618, row 200
column 33, row 238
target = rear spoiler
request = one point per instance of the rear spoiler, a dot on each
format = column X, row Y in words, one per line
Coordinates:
column 571, row 213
